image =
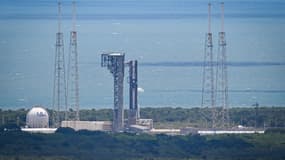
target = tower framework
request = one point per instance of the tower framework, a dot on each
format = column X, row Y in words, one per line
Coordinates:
column 222, row 77
column 208, row 99
column 114, row 61
column 73, row 72
column 59, row 88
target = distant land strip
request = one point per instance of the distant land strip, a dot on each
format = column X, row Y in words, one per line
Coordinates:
column 199, row 64
column 232, row 90
column 136, row 16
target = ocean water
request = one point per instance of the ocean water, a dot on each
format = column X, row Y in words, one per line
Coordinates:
column 165, row 36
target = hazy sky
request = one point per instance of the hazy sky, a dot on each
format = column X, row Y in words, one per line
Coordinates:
column 46, row 8
column 148, row 30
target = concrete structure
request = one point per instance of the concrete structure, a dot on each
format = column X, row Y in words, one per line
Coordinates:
column 139, row 129
column 188, row 130
column 37, row 117
column 205, row 132
column 141, row 126
column 165, row 131
column 114, row 61
column 145, row 122
column 235, row 130
column 88, row 125
column 39, row 130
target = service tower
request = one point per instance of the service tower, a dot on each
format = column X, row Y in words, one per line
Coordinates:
column 114, row 61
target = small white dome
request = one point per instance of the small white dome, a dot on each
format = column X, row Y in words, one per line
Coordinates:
column 37, row 117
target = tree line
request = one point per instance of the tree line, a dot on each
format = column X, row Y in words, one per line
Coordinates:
column 163, row 117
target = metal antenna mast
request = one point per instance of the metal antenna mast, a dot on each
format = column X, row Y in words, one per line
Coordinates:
column 73, row 75
column 59, row 88
column 208, row 99
column 222, row 77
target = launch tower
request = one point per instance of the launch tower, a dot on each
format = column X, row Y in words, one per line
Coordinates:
column 114, row 61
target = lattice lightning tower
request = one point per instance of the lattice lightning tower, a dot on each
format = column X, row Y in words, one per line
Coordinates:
column 221, row 77
column 73, row 75
column 59, row 88
column 208, row 99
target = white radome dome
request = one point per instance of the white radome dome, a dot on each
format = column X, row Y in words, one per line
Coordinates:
column 37, row 117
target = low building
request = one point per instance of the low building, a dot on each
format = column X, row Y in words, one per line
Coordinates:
column 188, row 130
column 209, row 132
column 141, row 126
column 145, row 122
column 165, row 131
column 88, row 125
column 234, row 130
column 139, row 129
